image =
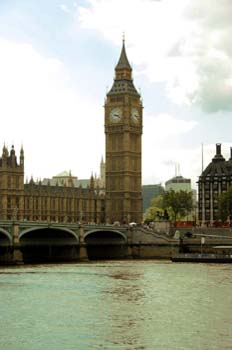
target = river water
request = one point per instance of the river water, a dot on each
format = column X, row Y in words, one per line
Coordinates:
column 116, row 305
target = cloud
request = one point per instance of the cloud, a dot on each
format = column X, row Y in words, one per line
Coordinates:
column 215, row 84
column 59, row 128
column 211, row 53
column 186, row 44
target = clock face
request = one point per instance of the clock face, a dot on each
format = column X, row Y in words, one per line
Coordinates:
column 135, row 115
column 116, row 114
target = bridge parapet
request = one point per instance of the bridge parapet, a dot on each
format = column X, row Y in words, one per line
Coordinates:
column 88, row 227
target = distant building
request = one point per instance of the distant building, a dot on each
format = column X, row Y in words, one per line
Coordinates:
column 214, row 180
column 66, row 178
column 178, row 183
column 149, row 192
column 63, row 179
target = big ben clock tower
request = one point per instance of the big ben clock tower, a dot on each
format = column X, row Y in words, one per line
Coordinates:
column 123, row 130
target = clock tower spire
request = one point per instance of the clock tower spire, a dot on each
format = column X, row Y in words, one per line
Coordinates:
column 123, row 131
column 123, row 65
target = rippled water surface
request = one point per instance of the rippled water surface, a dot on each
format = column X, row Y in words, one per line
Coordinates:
column 121, row 305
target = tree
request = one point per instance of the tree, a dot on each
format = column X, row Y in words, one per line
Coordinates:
column 154, row 211
column 225, row 205
column 177, row 203
column 170, row 204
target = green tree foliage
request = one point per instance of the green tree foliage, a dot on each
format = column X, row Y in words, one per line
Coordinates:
column 225, row 205
column 178, row 203
column 154, row 209
column 170, row 204
column 157, row 201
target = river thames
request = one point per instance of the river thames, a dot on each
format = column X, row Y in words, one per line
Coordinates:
column 116, row 305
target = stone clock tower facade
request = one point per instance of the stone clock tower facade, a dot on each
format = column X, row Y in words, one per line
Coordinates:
column 123, row 131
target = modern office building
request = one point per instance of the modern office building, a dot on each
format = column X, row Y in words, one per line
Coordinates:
column 178, row 183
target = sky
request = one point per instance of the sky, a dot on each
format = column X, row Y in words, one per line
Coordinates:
column 57, row 61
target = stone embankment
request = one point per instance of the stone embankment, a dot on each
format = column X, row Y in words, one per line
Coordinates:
column 160, row 242
column 150, row 244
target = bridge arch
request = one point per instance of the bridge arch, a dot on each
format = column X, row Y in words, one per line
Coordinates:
column 49, row 244
column 106, row 244
column 50, row 228
column 5, row 236
column 107, row 231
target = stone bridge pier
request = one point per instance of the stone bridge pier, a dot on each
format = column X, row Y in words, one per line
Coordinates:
column 17, row 256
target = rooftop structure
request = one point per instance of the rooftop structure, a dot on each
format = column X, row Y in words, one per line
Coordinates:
column 178, row 183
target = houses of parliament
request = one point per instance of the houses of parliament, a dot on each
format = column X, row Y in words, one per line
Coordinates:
column 116, row 196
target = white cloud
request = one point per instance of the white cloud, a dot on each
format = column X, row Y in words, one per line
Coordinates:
column 59, row 129
column 185, row 43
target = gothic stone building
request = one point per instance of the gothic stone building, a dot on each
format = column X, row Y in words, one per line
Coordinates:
column 59, row 202
column 214, row 180
column 66, row 202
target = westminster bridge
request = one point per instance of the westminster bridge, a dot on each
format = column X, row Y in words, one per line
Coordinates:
column 30, row 241
column 42, row 242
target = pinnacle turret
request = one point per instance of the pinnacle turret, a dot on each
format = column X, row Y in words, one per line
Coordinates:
column 5, row 152
column 91, row 182
column 21, row 156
